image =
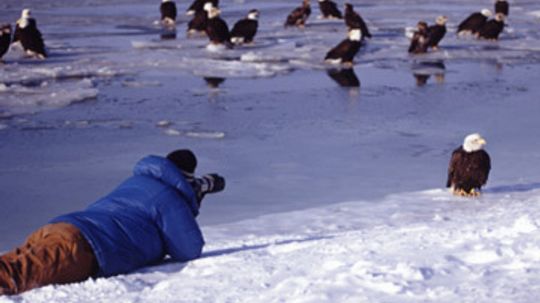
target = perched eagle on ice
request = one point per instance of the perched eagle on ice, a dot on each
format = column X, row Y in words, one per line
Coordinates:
column 493, row 28
column 5, row 39
column 420, row 40
column 329, row 10
column 27, row 33
column 299, row 15
column 469, row 167
column 200, row 20
column 346, row 50
column 168, row 12
column 217, row 29
column 436, row 32
column 244, row 30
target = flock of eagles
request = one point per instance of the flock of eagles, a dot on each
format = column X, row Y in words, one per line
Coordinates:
column 469, row 164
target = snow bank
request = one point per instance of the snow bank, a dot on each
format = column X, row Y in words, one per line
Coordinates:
column 416, row 247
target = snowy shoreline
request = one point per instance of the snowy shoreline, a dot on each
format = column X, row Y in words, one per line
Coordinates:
column 413, row 247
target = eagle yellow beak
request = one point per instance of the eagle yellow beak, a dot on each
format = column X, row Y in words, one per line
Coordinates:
column 482, row 141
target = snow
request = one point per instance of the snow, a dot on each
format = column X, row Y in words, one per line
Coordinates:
column 413, row 247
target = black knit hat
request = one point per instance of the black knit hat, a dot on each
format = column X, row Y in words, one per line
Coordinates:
column 184, row 159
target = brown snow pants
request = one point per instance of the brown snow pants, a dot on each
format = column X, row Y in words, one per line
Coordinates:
column 54, row 254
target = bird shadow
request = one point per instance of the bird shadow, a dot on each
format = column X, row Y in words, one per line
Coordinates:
column 513, row 188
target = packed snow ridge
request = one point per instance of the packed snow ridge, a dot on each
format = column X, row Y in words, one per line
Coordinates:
column 416, row 247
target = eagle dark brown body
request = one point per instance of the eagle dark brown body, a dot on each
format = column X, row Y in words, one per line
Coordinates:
column 468, row 171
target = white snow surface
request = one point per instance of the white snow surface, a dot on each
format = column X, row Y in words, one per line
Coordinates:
column 414, row 247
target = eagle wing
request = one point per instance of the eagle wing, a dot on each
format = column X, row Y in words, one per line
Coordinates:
column 337, row 51
column 484, row 163
column 454, row 160
column 296, row 15
column 435, row 34
column 218, row 31
column 474, row 22
column 329, row 8
column 245, row 28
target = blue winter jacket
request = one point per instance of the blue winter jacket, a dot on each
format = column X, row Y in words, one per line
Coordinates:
column 150, row 215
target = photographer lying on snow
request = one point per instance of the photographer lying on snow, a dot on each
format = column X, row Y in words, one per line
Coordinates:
column 150, row 215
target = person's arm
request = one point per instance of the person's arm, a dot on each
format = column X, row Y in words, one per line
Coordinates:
column 181, row 234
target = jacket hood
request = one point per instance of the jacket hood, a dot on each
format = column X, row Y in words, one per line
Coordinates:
column 164, row 170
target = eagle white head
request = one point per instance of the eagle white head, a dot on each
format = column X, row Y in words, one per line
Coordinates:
column 473, row 142
column 208, row 6
column 441, row 20
column 253, row 14
column 355, row 34
column 213, row 12
column 486, row 12
column 26, row 13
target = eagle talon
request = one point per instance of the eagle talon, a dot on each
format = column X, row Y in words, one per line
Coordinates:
column 463, row 193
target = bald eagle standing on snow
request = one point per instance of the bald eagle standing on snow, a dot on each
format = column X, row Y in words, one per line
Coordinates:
column 469, row 167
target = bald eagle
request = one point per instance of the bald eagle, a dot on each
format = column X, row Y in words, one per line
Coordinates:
column 245, row 30
column 168, row 12
column 329, row 10
column 346, row 50
column 420, row 40
column 28, row 34
column 469, row 167
column 299, row 15
column 493, row 28
column 436, row 32
column 217, row 29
